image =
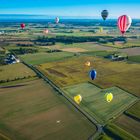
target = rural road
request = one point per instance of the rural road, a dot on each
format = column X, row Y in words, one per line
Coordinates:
column 90, row 118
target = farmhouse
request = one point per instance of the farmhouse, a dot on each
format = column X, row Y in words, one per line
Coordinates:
column 117, row 57
column 11, row 59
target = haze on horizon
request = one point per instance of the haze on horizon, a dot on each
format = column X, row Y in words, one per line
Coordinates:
column 82, row 8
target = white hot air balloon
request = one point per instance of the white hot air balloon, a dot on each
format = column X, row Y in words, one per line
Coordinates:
column 57, row 20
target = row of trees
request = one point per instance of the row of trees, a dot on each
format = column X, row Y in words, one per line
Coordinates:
column 24, row 45
column 75, row 39
column 15, row 79
column 21, row 51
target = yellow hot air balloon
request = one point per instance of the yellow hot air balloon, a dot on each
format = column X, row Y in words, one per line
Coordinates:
column 109, row 97
column 100, row 29
column 88, row 64
column 78, row 99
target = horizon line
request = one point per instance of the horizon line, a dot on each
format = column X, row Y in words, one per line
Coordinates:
column 62, row 16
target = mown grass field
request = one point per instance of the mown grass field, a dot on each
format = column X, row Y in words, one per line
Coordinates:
column 134, row 110
column 11, row 72
column 94, row 100
column 39, row 58
column 34, row 111
column 73, row 71
column 134, row 58
column 118, row 133
column 128, row 124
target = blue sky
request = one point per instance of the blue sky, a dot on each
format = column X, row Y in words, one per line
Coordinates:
column 71, row 7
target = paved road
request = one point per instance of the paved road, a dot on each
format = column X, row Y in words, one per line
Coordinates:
column 90, row 118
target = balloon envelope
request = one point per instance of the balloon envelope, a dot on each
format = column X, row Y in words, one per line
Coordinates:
column 57, row 20
column 109, row 97
column 101, row 29
column 22, row 25
column 104, row 14
column 46, row 31
column 93, row 74
column 88, row 63
column 124, row 22
column 78, row 99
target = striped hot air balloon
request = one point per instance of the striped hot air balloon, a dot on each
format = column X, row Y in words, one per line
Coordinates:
column 124, row 23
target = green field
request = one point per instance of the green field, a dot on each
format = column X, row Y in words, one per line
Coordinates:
column 87, row 46
column 121, row 45
column 34, row 111
column 72, row 71
column 103, row 137
column 15, row 72
column 39, row 58
column 128, row 124
column 117, row 133
column 135, row 110
column 99, row 53
column 134, row 58
column 94, row 101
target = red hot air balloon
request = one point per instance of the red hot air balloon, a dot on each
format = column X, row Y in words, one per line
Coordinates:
column 22, row 25
column 124, row 22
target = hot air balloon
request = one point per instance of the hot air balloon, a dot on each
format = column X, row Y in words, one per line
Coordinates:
column 93, row 74
column 78, row 99
column 46, row 31
column 88, row 63
column 57, row 20
column 104, row 14
column 100, row 29
column 109, row 97
column 22, row 25
column 124, row 22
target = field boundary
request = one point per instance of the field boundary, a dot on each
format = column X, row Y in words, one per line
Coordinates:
column 99, row 127
column 93, row 120
column 117, row 114
column 131, row 116
column 3, row 136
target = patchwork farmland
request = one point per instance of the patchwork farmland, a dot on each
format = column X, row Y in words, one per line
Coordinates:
column 36, row 106
column 95, row 103
column 37, row 95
